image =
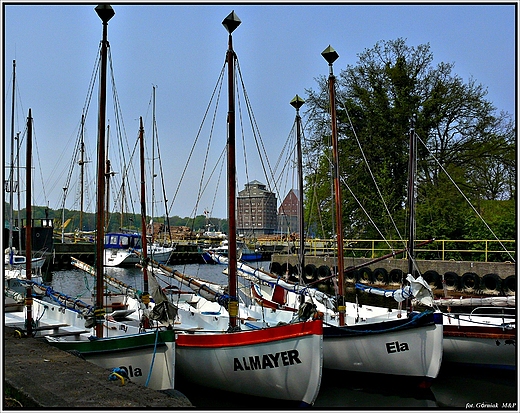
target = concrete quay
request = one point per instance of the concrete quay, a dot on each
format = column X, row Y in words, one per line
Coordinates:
column 38, row 375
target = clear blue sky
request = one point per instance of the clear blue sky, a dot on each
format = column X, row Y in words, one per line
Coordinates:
column 181, row 49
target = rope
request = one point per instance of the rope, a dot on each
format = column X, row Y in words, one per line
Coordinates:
column 413, row 321
column 153, row 357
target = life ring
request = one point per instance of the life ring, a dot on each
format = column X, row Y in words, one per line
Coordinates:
column 276, row 268
column 351, row 275
column 309, row 273
column 433, row 278
column 452, row 280
column 491, row 283
column 395, row 276
column 509, row 284
column 366, row 275
column 381, row 275
column 470, row 281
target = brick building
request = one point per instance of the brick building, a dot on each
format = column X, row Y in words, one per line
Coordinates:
column 256, row 210
column 288, row 213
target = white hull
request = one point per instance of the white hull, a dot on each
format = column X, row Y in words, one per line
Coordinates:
column 122, row 257
column 480, row 340
column 414, row 352
column 145, row 364
column 20, row 261
column 371, row 352
column 279, row 362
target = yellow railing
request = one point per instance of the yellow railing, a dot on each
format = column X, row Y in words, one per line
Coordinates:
column 474, row 250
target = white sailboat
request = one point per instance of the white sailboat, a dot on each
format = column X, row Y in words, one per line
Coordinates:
column 282, row 362
column 480, row 331
column 145, row 352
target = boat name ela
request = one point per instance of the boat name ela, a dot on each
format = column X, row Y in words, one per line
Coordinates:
column 396, row 347
column 288, row 358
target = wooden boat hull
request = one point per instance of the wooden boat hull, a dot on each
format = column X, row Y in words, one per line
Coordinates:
column 282, row 362
column 407, row 347
column 148, row 358
column 479, row 344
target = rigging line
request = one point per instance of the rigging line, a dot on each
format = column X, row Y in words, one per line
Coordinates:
column 219, row 82
column 374, row 180
column 289, row 143
column 210, row 176
column 255, row 129
column 93, row 77
column 208, row 146
column 121, row 132
column 464, row 196
column 258, row 139
column 219, row 176
column 39, row 164
column 343, row 180
column 162, row 178
column 249, row 198
column 286, row 170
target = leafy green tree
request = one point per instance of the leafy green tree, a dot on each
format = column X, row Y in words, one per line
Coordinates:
column 458, row 133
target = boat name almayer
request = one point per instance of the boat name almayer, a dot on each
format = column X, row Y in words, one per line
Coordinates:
column 284, row 358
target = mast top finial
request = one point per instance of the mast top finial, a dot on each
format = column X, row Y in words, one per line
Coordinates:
column 231, row 22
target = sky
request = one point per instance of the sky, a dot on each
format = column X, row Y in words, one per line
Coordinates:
column 180, row 50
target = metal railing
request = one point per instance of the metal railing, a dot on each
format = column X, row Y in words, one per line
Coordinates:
column 461, row 250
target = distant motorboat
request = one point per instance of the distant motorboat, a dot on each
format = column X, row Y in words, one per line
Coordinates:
column 121, row 247
column 17, row 261
column 244, row 252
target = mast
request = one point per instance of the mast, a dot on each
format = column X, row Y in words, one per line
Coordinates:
column 28, row 225
column 11, row 172
column 18, row 191
column 153, row 167
column 81, row 172
column 330, row 56
column 143, row 206
column 231, row 22
column 105, row 13
column 297, row 103
column 108, row 172
column 411, row 196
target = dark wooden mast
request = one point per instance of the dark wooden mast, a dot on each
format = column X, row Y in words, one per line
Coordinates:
column 411, row 197
column 297, row 103
column 231, row 22
column 28, row 225
column 105, row 13
column 144, row 241
column 331, row 55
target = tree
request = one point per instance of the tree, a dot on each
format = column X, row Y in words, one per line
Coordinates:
column 457, row 128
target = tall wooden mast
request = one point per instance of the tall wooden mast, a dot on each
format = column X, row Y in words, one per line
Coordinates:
column 297, row 103
column 105, row 13
column 28, row 224
column 231, row 22
column 330, row 56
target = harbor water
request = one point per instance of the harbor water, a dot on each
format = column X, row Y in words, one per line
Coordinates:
column 456, row 387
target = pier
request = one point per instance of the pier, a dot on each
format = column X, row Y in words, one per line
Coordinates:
column 38, row 375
